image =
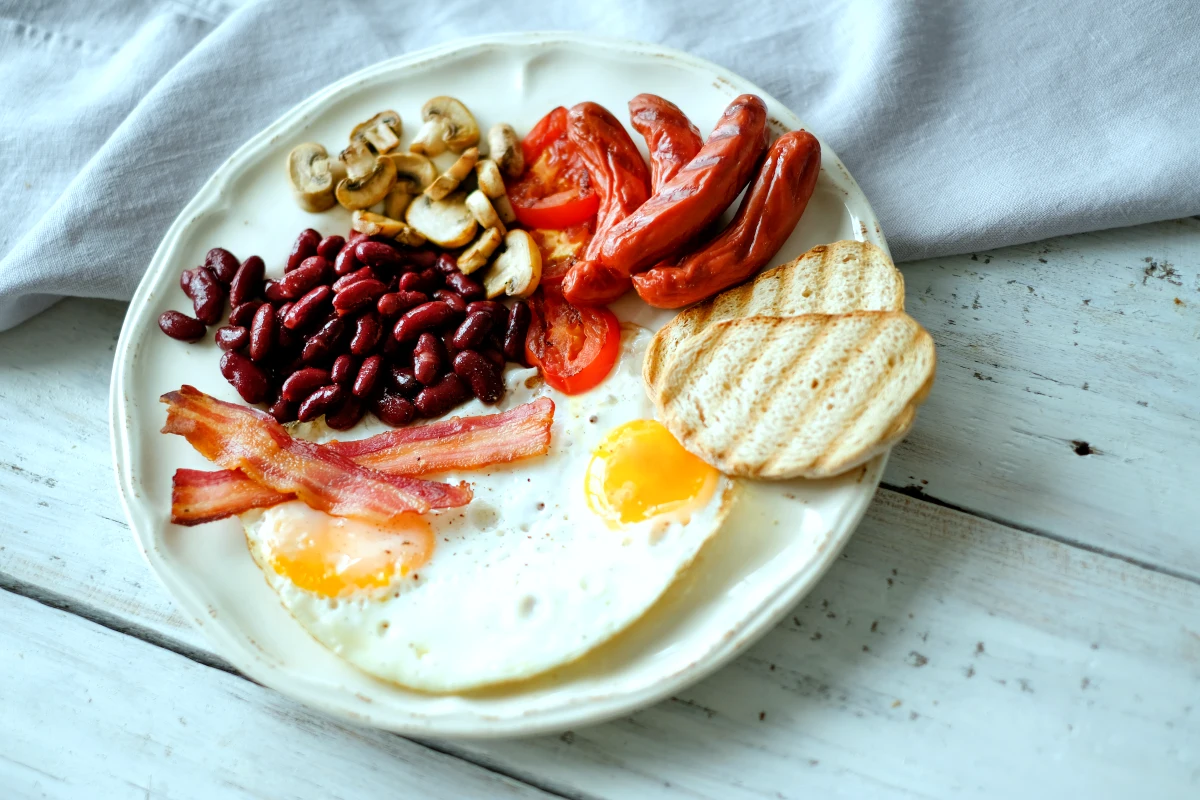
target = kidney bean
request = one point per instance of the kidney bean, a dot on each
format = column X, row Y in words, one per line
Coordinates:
column 422, row 258
column 468, row 287
column 416, row 282
column 246, row 376
column 324, row 399
column 446, row 263
column 429, row 359
column 303, row 382
column 345, row 262
column 515, row 330
column 304, row 277
column 248, row 281
column 346, row 417
column 360, row 294
column 244, row 313
column 367, row 330
column 402, row 380
column 180, row 326
column 305, row 312
column 223, row 264
column 305, row 247
column 433, row 277
column 448, row 343
column 329, row 247
column 377, row 254
column 452, row 299
column 343, row 370
column 284, row 411
column 448, row 392
column 417, row 320
column 358, row 275
column 393, row 304
column 354, row 237
column 273, row 292
column 367, row 377
column 495, row 356
column 208, row 296
column 497, row 311
column 232, row 337
column 262, row 332
column 185, row 281
column 473, row 330
column 392, row 409
column 480, row 374
column 322, row 343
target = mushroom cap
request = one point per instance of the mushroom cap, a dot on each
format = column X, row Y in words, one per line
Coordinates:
column 378, row 225
column 484, row 213
column 490, row 180
column 446, row 222
column 517, row 271
column 381, row 132
column 480, row 251
column 311, row 176
column 448, row 124
column 413, row 171
column 449, row 180
column 362, row 188
column 505, row 149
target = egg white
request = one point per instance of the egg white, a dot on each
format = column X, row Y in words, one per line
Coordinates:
column 526, row 577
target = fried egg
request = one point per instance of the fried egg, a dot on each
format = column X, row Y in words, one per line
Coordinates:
column 555, row 554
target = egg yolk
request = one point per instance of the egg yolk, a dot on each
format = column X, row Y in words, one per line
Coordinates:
column 640, row 471
column 337, row 557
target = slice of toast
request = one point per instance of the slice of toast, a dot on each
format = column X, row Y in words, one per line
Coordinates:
column 806, row 396
column 834, row 278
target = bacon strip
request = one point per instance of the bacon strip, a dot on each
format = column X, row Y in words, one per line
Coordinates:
column 237, row 437
column 453, row 444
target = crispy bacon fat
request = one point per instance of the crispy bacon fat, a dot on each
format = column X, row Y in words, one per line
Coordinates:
column 459, row 443
column 237, row 437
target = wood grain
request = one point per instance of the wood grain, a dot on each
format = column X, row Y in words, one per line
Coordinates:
column 88, row 712
column 1068, row 390
column 942, row 656
column 923, row 710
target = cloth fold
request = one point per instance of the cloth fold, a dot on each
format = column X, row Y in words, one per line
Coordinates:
column 968, row 125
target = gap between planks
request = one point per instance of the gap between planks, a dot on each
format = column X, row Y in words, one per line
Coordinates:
column 917, row 493
column 112, row 622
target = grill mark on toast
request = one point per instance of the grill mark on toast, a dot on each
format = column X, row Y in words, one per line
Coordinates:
column 820, row 397
column 882, row 375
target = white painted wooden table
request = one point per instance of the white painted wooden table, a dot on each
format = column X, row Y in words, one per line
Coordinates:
column 1018, row 616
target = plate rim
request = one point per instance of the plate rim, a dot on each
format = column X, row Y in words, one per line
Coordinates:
column 563, row 716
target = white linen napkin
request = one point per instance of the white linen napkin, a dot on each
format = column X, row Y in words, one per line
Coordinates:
column 968, row 125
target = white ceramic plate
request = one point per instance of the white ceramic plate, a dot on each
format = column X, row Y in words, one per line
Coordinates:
column 778, row 542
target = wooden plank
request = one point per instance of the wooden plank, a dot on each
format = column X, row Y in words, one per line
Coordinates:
column 943, row 655
column 87, row 712
column 1068, row 390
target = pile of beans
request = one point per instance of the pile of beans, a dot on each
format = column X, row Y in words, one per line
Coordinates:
column 353, row 324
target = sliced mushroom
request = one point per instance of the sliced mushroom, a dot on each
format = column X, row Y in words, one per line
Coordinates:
column 378, row 225
column 480, row 251
column 368, row 179
column 492, row 184
column 448, row 124
column 505, row 149
column 504, row 209
column 489, row 177
column 446, row 223
column 449, row 180
column 483, row 211
column 414, row 173
column 517, row 271
column 311, row 174
column 381, row 132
